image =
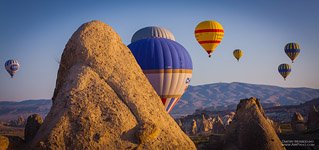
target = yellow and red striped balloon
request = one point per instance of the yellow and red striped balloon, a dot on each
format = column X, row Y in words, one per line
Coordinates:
column 209, row 34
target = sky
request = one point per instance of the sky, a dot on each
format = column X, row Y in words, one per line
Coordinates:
column 35, row 33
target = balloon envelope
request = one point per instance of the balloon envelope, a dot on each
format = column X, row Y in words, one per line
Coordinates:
column 209, row 34
column 167, row 65
column 238, row 54
column 12, row 66
column 152, row 32
column 292, row 50
column 284, row 70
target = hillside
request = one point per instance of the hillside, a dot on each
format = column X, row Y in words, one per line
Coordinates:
column 281, row 114
column 284, row 113
column 223, row 96
column 12, row 110
column 212, row 97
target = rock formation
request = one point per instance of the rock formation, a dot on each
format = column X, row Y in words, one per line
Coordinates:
column 211, row 121
column 11, row 143
column 194, row 127
column 102, row 99
column 275, row 125
column 4, row 143
column 313, row 119
column 179, row 122
column 250, row 129
column 297, row 123
column 228, row 118
column 218, row 126
column 31, row 128
column 20, row 122
column 207, row 125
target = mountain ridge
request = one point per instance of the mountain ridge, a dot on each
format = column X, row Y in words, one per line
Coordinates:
column 10, row 110
column 221, row 96
column 214, row 96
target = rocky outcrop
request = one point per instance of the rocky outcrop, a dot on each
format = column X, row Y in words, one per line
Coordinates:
column 202, row 124
column 4, row 143
column 102, row 99
column 228, row 118
column 194, row 127
column 19, row 122
column 11, row 143
column 275, row 125
column 179, row 122
column 313, row 119
column 218, row 126
column 206, row 124
column 250, row 129
column 298, row 123
column 31, row 128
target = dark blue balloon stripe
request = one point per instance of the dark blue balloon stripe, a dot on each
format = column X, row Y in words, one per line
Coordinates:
column 284, row 70
column 160, row 53
column 292, row 50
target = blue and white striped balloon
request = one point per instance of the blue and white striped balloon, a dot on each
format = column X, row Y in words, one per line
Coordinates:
column 152, row 32
column 167, row 65
column 12, row 66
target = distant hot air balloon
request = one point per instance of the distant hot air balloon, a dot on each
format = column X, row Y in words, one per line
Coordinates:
column 238, row 54
column 284, row 70
column 12, row 66
column 209, row 34
column 152, row 32
column 167, row 65
column 292, row 50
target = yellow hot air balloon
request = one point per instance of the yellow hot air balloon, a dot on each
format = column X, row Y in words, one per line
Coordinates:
column 284, row 70
column 292, row 50
column 238, row 54
column 209, row 34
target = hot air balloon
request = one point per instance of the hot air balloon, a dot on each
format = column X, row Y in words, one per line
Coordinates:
column 284, row 70
column 12, row 66
column 152, row 32
column 238, row 54
column 167, row 65
column 209, row 34
column 292, row 50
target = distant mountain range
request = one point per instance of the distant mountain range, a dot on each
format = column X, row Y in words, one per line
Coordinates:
column 12, row 110
column 212, row 97
column 284, row 113
column 226, row 96
column 280, row 114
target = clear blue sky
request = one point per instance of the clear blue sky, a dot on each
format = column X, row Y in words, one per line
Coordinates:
column 35, row 33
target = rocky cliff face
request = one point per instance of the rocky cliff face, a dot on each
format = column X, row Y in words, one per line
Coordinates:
column 250, row 129
column 194, row 128
column 202, row 124
column 11, row 143
column 4, row 142
column 275, row 125
column 297, row 123
column 228, row 118
column 102, row 99
column 207, row 124
column 34, row 122
column 313, row 119
column 218, row 126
